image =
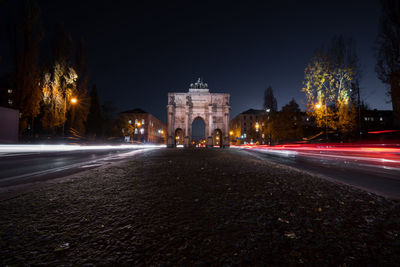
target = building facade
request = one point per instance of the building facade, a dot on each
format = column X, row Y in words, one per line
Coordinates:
column 198, row 102
column 249, row 127
column 7, row 94
column 144, row 127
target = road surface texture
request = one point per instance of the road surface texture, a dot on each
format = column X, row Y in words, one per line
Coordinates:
column 198, row 207
column 378, row 179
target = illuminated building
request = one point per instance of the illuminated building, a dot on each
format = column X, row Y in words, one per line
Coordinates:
column 146, row 127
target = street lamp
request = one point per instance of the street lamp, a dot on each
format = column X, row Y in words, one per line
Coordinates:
column 73, row 100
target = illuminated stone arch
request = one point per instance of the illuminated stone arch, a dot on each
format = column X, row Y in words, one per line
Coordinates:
column 184, row 108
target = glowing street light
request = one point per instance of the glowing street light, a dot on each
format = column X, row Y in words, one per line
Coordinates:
column 231, row 133
column 318, row 105
column 74, row 100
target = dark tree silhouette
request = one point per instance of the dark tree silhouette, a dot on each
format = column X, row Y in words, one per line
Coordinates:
column 270, row 100
column 388, row 52
column 79, row 112
column 25, row 41
column 94, row 120
column 286, row 125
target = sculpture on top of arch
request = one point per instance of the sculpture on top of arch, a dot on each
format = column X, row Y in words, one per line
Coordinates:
column 212, row 108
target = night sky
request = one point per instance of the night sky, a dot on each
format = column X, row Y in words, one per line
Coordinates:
column 140, row 51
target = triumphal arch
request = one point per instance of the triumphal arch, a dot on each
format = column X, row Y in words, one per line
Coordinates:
column 212, row 108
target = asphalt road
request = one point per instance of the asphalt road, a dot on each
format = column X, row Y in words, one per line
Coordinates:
column 22, row 169
column 19, row 169
column 377, row 179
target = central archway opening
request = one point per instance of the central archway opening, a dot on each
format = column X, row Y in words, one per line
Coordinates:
column 198, row 132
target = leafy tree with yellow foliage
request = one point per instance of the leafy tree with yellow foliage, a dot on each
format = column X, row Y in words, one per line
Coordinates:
column 328, row 86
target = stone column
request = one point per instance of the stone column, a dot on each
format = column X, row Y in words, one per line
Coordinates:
column 171, row 126
column 210, row 126
column 186, row 139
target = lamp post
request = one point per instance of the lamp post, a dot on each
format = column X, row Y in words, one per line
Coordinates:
column 73, row 100
column 136, row 131
column 269, row 128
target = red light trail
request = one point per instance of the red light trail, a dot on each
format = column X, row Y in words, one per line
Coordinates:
column 378, row 154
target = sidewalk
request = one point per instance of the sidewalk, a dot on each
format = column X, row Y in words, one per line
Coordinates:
column 204, row 207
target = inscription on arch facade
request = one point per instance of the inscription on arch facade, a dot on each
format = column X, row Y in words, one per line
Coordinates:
column 198, row 102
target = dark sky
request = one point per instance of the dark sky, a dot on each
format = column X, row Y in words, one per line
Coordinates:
column 138, row 51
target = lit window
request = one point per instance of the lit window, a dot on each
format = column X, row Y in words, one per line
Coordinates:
column 365, row 118
column 142, row 121
column 381, row 119
column 130, row 121
column 136, row 131
column 10, row 101
column 142, row 131
column 372, row 119
column 244, row 135
column 136, row 121
column 307, row 119
column 9, row 91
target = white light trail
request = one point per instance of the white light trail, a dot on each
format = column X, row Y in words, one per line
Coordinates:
column 12, row 149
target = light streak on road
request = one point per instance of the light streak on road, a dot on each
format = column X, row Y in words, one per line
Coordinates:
column 12, row 149
column 80, row 165
column 379, row 155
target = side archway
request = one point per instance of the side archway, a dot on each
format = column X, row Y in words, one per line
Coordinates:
column 178, row 137
column 217, row 138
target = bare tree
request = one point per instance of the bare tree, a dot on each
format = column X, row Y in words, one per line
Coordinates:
column 388, row 52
